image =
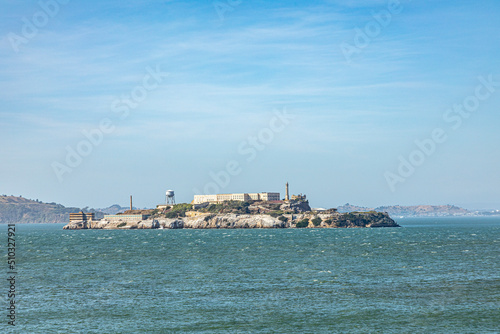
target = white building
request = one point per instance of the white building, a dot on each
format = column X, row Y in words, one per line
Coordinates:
column 125, row 218
column 219, row 198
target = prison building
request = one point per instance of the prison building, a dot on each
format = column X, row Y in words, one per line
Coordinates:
column 219, row 198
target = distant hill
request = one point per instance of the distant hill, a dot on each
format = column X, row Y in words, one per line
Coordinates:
column 424, row 210
column 353, row 208
column 113, row 209
column 411, row 211
column 22, row 210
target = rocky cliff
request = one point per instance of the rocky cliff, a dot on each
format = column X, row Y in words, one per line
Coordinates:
column 214, row 221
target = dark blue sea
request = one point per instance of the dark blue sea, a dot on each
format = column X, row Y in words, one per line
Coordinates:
column 429, row 276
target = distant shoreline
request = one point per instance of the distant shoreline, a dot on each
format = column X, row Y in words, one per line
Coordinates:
column 19, row 210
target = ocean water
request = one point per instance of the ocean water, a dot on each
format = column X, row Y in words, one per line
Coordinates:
column 429, row 276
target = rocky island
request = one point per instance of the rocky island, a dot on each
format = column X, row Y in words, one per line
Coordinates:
column 236, row 214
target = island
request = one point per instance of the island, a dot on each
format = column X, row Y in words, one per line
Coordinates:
column 231, row 211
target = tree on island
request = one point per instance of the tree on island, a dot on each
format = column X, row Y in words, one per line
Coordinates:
column 303, row 223
column 316, row 221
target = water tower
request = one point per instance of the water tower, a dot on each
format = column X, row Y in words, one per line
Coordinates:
column 169, row 197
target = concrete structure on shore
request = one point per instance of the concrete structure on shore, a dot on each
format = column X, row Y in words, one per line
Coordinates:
column 219, row 198
column 125, row 218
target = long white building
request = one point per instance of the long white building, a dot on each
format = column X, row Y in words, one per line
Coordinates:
column 219, row 198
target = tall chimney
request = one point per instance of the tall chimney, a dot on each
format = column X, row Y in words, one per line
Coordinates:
column 130, row 202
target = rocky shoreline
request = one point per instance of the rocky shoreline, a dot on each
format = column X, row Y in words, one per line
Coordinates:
column 231, row 221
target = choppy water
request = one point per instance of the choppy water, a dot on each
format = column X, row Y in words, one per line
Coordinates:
column 430, row 276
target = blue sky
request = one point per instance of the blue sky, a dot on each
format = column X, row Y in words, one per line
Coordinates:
column 224, row 71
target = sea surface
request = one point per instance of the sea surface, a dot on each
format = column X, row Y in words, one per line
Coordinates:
column 438, row 275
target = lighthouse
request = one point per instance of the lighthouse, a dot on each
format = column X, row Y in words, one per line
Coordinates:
column 287, row 195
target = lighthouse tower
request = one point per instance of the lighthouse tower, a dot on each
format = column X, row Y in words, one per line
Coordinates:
column 287, row 195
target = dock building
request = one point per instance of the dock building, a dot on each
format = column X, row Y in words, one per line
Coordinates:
column 81, row 216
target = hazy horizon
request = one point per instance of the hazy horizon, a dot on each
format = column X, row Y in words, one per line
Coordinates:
column 365, row 102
